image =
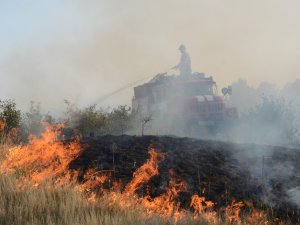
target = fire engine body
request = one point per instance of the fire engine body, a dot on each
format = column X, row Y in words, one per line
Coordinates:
column 195, row 99
column 188, row 102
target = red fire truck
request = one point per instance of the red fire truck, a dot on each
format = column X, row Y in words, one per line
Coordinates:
column 190, row 102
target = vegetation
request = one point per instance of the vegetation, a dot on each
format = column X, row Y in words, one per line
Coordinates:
column 32, row 120
column 92, row 121
column 10, row 116
column 46, row 204
column 89, row 121
column 63, row 206
column 42, row 205
column 273, row 121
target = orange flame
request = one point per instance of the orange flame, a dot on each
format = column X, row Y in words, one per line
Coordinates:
column 46, row 158
column 203, row 209
column 92, row 179
column 2, row 125
column 256, row 216
column 41, row 159
column 143, row 174
column 166, row 204
column 232, row 212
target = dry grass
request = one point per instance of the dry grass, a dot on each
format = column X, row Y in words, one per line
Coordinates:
column 45, row 205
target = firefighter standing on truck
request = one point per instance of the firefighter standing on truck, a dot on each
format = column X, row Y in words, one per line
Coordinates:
column 184, row 66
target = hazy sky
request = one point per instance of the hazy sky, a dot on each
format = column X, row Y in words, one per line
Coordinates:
column 81, row 50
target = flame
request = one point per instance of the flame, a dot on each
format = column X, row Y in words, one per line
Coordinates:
column 166, row 204
column 232, row 212
column 92, row 180
column 47, row 158
column 10, row 137
column 42, row 158
column 257, row 216
column 203, row 209
column 2, row 125
column 143, row 174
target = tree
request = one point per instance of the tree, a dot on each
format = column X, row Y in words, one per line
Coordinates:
column 274, row 121
column 32, row 120
column 9, row 115
column 92, row 121
column 145, row 121
column 120, row 119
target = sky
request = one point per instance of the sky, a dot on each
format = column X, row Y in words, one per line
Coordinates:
column 81, row 50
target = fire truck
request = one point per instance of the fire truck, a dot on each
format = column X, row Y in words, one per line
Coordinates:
column 186, row 101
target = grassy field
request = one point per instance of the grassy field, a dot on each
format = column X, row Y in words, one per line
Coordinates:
column 46, row 204
column 63, row 206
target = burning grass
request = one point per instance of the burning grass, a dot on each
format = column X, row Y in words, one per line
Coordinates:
column 59, row 206
column 65, row 206
column 42, row 189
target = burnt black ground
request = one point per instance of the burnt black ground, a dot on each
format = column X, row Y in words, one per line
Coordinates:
column 226, row 171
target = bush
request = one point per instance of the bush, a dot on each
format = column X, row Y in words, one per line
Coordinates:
column 92, row 121
column 273, row 121
column 10, row 117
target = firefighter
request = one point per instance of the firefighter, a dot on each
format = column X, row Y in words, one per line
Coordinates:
column 184, row 66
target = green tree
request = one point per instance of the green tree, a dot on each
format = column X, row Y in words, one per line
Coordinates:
column 120, row 119
column 98, row 121
column 10, row 115
column 92, row 121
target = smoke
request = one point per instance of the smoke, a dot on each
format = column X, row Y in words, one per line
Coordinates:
column 274, row 170
column 83, row 50
column 270, row 116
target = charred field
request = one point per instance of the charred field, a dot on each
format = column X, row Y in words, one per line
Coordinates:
column 222, row 172
column 155, row 179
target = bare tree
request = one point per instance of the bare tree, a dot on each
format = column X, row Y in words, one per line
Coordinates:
column 145, row 121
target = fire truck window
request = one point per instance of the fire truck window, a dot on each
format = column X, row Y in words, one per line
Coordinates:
column 197, row 90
